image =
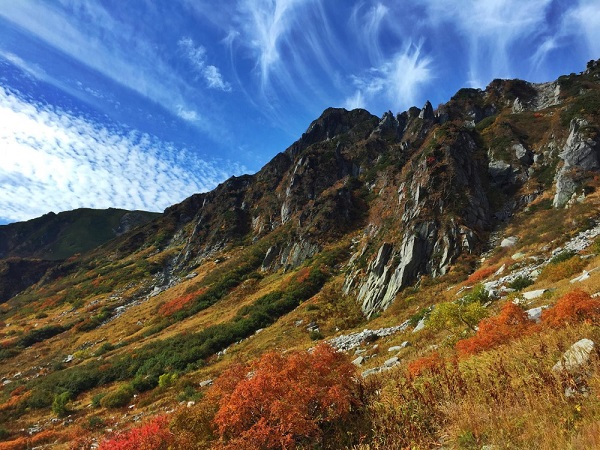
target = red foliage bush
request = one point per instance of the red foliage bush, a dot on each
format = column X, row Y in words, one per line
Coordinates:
column 154, row 435
column 481, row 274
column 286, row 401
column 511, row 323
column 575, row 306
column 429, row 363
column 178, row 303
column 24, row 443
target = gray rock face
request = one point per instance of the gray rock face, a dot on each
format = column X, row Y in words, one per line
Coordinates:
column 524, row 155
column 501, row 172
column 427, row 112
column 580, row 153
column 290, row 256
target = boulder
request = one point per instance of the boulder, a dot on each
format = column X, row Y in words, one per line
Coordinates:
column 575, row 357
column 391, row 362
column 530, row 295
column 359, row 361
column 510, row 241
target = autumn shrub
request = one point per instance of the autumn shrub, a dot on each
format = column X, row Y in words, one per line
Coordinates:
column 428, row 363
column 575, row 306
column 287, row 401
column 35, row 441
column 481, row 274
column 511, row 323
column 154, row 435
column 178, row 303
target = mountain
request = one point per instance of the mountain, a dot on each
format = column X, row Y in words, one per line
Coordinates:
column 383, row 225
column 28, row 249
column 60, row 236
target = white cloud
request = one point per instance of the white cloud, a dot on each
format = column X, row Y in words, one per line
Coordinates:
column 398, row 79
column 196, row 55
column 53, row 160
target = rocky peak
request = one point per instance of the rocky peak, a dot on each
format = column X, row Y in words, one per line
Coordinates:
column 426, row 112
column 335, row 122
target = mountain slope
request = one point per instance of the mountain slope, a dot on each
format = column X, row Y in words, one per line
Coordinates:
column 363, row 221
column 59, row 236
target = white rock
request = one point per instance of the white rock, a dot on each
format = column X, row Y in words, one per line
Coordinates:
column 530, row 295
column 205, row 383
column 576, row 356
column 510, row 241
column 359, row 361
column 535, row 314
column 584, row 276
column 395, row 348
column 420, row 325
column 500, row 270
column 391, row 362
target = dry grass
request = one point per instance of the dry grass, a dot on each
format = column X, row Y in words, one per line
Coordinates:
column 508, row 397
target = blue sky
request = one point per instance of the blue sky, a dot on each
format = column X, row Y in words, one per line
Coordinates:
column 138, row 104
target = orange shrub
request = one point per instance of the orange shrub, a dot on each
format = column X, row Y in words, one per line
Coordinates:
column 429, row 363
column 481, row 274
column 16, row 444
column 511, row 323
column 24, row 443
column 574, row 306
column 178, row 303
column 287, row 401
column 154, row 435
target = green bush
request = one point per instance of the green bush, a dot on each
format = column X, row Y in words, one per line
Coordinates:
column 94, row 423
column 166, row 379
column 521, row 282
column 40, row 398
column 562, row 256
column 40, row 334
column 96, row 399
column 59, row 405
column 118, row 398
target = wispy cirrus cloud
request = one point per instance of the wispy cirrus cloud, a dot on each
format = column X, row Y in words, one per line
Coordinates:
column 583, row 18
column 398, row 79
column 116, row 48
column 264, row 24
column 54, row 160
column 491, row 31
column 196, row 55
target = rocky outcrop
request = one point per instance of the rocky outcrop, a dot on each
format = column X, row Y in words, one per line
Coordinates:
column 580, row 154
column 288, row 256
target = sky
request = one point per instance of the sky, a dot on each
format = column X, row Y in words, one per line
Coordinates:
column 139, row 104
